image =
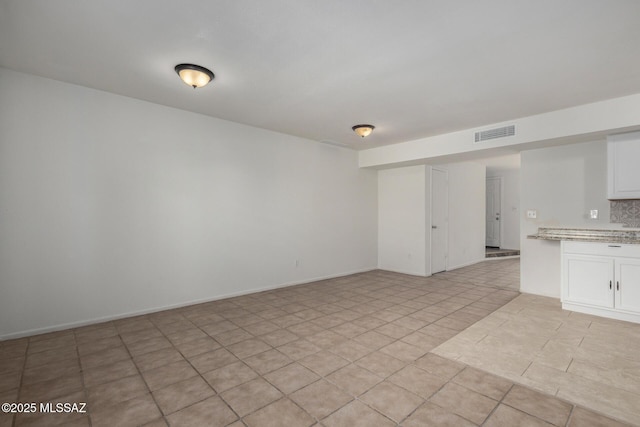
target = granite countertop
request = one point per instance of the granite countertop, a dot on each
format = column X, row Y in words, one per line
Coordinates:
column 588, row 235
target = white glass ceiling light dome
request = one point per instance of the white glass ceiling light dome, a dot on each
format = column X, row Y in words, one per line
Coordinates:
column 194, row 75
column 363, row 130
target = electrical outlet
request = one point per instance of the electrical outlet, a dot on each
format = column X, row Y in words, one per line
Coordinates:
column 532, row 213
column 593, row 214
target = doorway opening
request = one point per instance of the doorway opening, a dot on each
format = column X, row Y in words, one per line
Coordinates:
column 502, row 216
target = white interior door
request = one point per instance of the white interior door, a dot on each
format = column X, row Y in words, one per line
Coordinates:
column 439, row 220
column 493, row 213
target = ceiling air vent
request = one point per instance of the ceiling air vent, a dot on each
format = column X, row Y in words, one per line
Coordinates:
column 502, row 132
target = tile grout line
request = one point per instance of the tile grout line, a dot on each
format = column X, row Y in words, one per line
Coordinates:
column 500, row 402
column 85, row 391
column 24, row 367
column 200, row 374
column 140, row 372
column 375, row 285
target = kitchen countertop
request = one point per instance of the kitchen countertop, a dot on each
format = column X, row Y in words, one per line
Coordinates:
column 588, row 235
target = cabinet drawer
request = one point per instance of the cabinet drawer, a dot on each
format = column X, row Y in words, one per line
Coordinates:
column 604, row 249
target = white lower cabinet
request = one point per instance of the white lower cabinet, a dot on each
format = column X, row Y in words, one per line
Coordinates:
column 627, row 277
column 589, row 280
column 601, row 279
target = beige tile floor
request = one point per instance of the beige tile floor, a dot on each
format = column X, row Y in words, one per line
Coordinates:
column 351, row 351
column 587, row 360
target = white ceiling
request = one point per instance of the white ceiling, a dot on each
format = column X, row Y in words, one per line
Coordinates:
column 413, row 68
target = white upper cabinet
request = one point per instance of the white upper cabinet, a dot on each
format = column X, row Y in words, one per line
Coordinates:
column 623, row 167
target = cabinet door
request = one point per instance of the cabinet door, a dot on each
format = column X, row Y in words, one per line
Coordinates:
column 623, row 152
column 586, row 280
column 627, row 284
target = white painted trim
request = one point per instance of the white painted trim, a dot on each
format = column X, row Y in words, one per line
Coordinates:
column 495, row 258
column 410, row 273
column 602, row 312
column 466, row 264
column 542, row 294
column 88, row 322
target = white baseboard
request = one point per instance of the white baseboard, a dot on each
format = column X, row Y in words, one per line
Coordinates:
column 466, row 264
column 495, row 258
column 93, row 321
column 410, row 273
column 602, row 312
column 541, row 294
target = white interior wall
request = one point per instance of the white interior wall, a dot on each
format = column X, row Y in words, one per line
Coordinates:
column 111, row 206
column 402, row 209
column 510, row 215
column 467, row 200
column 404, row 219
column 562, row 184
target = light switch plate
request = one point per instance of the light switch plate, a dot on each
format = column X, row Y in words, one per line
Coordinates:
column 532, row 213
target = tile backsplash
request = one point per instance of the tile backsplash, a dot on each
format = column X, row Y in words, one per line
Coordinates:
column 625, row 212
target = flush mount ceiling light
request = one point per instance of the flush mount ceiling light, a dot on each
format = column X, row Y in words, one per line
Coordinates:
column 194, row 75
column 363, row 130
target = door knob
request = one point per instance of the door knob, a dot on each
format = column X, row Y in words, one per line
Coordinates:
column 434, row 226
